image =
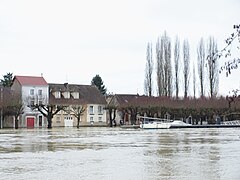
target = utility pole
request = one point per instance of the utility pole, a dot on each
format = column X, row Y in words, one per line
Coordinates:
column 1, row 121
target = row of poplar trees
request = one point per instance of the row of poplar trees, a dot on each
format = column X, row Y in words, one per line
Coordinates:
column 173, row 67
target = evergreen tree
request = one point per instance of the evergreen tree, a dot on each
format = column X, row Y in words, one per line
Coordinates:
column 7, row 80
column 97, row 81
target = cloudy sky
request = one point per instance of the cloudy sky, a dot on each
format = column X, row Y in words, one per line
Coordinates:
column 73, row 40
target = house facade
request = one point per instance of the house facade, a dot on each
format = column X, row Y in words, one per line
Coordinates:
column 73, row 97
column 33, row 90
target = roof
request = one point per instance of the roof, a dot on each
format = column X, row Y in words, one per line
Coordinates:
column 30, row 80
column 122, row 99
column 88, row 94
column 126, row 98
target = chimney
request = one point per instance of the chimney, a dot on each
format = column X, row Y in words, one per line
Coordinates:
column 66, row 85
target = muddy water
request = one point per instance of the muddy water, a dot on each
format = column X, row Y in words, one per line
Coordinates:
column 115, row 153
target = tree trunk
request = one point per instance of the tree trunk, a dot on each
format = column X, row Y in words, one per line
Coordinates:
column 78, row 122
column 110, row 117
column 49, row 119
column 16, row 123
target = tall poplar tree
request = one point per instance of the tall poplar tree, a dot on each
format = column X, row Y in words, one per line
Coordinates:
column 213, row 75
column 176, row 65
column 164, row 66
column 148, row 83
column 186, row 68
column 201, row 64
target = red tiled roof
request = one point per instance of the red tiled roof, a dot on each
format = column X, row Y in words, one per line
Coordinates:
column 31, row 80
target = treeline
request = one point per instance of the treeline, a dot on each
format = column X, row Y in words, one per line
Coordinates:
column 199, row 109
column 174, row 68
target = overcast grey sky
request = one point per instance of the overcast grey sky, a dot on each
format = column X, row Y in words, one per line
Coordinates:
column 73, row 40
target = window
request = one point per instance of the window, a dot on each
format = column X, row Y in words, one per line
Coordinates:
column 99, row 119
column 91, row 120
column 58, row 94
column 68, row 118
column 40, row 92
column 75, row 95
column 40, row 102
column 91, row 110
column 67, row 96
column 32, row 103
column 58, row 120
column 31, row 92
column 40, row 121
column 100, row 110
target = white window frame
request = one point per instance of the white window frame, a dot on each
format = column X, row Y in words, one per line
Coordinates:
column 32, row 102
column 32, row 92
column 40, row 91
column 91, row 110
column 100, row 110
column 40, row 102
column 58, row 119
column 57, row 94
column 91, row 120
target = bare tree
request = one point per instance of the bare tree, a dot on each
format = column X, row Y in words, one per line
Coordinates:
column 164, row 67
column 186, row 63
column 194, row 81
column 12, row 105
column 48, row 111
column 148, row 83
column 176, row 64
column 77, row 111
column 169, row 68
column 213, row 76
column 226, row 51
column 112, row 106
column 201, row 63
column 160, row 62
column 15, row 106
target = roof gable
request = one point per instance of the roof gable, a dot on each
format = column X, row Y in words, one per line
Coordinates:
column 30, row 80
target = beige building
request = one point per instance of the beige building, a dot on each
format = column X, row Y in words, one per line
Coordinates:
column 78, row 97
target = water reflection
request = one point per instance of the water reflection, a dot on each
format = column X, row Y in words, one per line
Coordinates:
column 114, row 153
column 182, row 154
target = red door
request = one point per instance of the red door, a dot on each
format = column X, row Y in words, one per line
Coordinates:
column 30, row 122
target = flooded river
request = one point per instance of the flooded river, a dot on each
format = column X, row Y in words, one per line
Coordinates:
column 119, row 154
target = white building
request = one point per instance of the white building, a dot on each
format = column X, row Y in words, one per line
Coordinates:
column 34, row 90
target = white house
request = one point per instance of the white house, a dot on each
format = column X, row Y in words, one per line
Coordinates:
column 34, row 90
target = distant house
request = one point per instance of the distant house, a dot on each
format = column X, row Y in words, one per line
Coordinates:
column 33, row 90
column 86, row 96
column 119, row 101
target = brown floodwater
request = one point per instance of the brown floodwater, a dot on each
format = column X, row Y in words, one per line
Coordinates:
column 119, row 154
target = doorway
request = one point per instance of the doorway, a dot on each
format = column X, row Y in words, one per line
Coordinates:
column 30, row 122
column 40, row 121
